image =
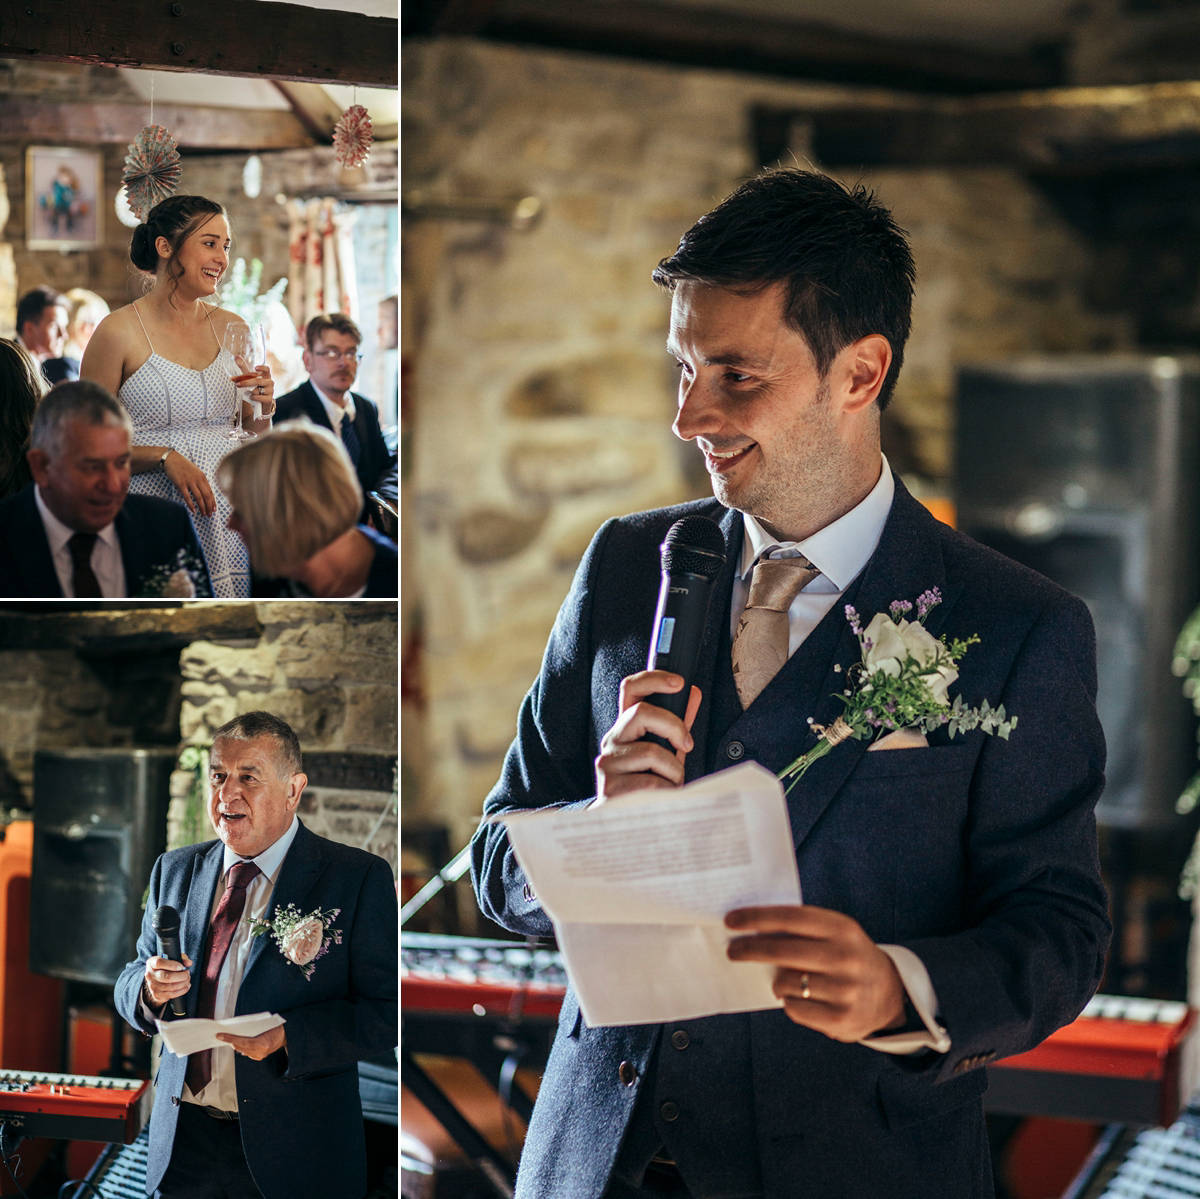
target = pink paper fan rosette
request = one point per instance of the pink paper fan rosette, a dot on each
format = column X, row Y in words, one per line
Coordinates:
column 352, row 137
column 152, row 169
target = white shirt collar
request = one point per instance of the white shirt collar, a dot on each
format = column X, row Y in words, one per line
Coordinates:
column 335, row 411
column 271, row 858
column 58, row 534
column 842, row 548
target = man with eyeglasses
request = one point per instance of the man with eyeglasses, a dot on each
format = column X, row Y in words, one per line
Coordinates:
column 331, row 359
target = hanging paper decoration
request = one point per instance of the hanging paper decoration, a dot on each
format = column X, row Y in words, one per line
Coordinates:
column 352, row 137
column 152, row 169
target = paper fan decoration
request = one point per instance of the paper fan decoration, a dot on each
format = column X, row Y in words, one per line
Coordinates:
column 152, row 169
column 352, row 137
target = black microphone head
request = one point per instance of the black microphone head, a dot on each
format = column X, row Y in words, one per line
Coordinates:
column 695, row 546
column 165, row 920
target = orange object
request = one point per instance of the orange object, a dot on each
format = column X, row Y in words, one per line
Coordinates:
column 942, row 507
column 449, row 995
column 30, row 1004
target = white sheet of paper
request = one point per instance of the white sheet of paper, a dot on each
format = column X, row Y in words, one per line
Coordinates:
column 182, row 1037
column 638, row 889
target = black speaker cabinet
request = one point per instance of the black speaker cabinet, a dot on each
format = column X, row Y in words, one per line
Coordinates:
column 1085, row 468
column 99, row 823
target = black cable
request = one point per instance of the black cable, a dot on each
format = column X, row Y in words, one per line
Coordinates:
column 79, row 1182
column 14, row 1177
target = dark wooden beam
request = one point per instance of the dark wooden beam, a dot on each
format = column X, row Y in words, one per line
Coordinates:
column 123, row 628
column 701, row 36
column 208, row 128
column 1062, row 130
column 214, row 37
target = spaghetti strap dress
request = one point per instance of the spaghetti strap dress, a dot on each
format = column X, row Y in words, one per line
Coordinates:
column 191, row 411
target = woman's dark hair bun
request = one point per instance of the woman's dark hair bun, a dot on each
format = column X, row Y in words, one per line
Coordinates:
column 142, row 253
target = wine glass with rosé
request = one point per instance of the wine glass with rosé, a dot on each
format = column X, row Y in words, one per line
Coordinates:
column 246, row 344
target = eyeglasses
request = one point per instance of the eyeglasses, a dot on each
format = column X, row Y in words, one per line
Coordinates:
column 332, row 355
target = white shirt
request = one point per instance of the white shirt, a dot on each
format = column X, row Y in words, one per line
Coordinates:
column 334, row 411
column 840, row 551
column 221, row 1090
column 105, row 560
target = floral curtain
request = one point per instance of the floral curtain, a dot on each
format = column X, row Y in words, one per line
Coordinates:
column 321, row 274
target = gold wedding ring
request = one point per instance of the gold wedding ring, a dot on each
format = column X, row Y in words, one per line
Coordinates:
column 805, row 993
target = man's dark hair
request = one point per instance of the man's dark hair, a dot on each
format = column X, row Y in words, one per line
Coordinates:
column 845, row 262
column 33, row 303
column 265, row 724
column 339, row 322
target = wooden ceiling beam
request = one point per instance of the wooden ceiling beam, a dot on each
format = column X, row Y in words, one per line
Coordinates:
column 192, row 127
column 214, row 37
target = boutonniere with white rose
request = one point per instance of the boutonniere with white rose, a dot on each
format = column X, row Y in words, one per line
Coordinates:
column 302, row 939
column 902, row 682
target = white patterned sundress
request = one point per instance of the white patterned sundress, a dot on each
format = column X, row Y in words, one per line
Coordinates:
column 191, row 411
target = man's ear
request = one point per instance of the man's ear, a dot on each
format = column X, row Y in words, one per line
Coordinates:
column 296, row 785
column 864, row 365
column 39, row 464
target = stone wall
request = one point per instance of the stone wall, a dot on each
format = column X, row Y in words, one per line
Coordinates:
column 541, row 395
column 330, row 671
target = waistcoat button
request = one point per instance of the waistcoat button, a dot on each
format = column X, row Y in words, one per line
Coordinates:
column 735, row 750
column 627, row 1073
column 669, row 1111
column 680, row 1039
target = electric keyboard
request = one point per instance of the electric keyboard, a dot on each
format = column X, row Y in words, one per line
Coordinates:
column 74, row 1107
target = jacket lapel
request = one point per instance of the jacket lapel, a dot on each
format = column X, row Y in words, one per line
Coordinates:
column 316, row 410
column 906, row 562
column 134, row 546
column 302, row 866
column 713, row 649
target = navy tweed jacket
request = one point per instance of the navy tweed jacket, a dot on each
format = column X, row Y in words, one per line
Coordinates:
column 978, row 854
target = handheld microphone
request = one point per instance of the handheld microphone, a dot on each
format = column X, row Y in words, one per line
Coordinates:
column 165, row 923
column 692, row 557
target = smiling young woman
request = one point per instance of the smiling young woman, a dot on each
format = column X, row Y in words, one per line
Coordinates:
column 162, row 356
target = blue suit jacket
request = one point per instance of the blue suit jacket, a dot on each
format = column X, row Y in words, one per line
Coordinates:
column 152, row 533
column 978, row 854
column 301, row 1120
column 376, row 462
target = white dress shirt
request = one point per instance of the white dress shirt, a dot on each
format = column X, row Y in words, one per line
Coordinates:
column 335, row 412
column 221, row 1090
column 840, row 551
column 106, row 554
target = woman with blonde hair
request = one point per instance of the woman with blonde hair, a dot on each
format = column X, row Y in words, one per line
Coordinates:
column 21, row 390
column 87, row 310
column 295, row 502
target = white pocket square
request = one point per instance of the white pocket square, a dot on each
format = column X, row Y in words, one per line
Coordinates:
column 900, row 739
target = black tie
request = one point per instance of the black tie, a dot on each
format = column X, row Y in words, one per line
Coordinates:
column 83, row 580
column 350, row 440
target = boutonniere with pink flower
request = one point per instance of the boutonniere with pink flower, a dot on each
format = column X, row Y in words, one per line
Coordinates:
column 302, row 939
column 901, row 683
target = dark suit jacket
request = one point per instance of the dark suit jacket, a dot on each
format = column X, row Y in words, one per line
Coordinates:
column 60, row 370
column 376, row 461
column 301, row 1121
column 153, row 534
column 978, row 854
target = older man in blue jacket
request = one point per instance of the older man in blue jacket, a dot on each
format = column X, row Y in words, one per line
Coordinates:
column 277, row 1115
column 954, row 910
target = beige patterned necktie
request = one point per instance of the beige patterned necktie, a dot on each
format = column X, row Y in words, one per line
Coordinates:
column 760, row 645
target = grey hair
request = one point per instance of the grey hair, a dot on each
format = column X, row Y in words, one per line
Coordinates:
column 78, row 399
column 250, row 725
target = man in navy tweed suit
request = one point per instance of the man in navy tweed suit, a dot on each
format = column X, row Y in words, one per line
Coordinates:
column 954, row 911
column 277, row 1115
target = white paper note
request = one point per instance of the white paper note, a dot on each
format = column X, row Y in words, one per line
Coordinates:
column 638, row 889
column 182, row 1037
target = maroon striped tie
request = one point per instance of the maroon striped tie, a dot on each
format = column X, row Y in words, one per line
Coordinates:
column 220, row 936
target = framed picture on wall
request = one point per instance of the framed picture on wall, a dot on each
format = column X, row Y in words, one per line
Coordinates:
column 63, row 186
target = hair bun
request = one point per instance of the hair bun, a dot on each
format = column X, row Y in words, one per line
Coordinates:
column 141, row 253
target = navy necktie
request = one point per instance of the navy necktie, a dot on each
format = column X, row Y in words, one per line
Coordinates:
column 350, row 440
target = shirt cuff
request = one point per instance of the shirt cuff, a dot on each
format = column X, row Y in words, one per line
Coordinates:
column 924, row 999
column 147, row 1013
